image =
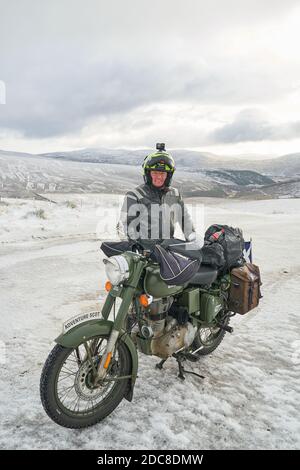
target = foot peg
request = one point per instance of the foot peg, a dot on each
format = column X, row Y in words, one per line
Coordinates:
column 227, row 328
column 191, row 357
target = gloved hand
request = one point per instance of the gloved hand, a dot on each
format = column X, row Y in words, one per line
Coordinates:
column 191, row 237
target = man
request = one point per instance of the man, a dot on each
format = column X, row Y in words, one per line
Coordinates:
column 152, row 210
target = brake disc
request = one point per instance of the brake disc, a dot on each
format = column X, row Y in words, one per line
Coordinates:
column 84, row 382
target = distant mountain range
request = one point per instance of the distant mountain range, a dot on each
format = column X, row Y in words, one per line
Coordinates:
column 287, row 165
column 198, row 173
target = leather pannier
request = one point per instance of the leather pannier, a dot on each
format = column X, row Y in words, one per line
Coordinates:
column 245, row 291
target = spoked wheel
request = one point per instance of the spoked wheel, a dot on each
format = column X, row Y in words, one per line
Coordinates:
column 69, row 393
column 209, row 338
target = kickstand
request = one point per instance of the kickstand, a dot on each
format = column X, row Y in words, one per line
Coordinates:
column 182, row 370
column 160, row 364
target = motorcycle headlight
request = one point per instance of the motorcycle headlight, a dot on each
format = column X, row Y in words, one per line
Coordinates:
column 117, row 269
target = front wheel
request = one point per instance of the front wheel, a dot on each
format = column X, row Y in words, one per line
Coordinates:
column 208, row 338
column 67, row 389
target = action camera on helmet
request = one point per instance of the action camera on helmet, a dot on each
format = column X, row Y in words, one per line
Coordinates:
column 161, row 146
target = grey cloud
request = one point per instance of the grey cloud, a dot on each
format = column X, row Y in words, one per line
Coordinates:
column 67, row 63
column 47, row 103
column 78, row 21
column 250, row 125
column 55, row 99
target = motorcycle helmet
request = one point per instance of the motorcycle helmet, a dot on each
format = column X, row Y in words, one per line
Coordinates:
column 158, row 161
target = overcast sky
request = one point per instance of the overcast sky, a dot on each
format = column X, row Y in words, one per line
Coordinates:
column 222, row 76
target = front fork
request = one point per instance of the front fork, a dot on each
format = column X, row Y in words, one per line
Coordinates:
column 127, row 296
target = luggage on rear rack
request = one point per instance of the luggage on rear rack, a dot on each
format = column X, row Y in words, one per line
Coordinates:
column 231, row 240
column 244, row 291
column 213, row 255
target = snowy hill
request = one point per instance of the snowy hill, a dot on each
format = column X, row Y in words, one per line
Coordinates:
column 287, row 165
column 115, row 171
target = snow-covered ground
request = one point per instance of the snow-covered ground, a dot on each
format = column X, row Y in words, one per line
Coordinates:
column 51, row 269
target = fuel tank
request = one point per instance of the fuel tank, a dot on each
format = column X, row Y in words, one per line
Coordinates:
column 155, row 286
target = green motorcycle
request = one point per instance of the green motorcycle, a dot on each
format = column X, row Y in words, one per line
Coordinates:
column 94, row 364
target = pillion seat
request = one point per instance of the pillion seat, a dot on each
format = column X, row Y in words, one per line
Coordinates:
column 205, row 275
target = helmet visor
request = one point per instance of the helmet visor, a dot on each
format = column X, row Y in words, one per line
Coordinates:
column 160, row 167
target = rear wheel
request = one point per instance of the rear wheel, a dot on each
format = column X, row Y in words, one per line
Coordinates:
column 209, row 338
column 67, row 388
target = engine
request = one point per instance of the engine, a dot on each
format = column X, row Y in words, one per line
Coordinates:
column 166, row 327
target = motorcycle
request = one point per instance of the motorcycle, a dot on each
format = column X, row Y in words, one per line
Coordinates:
column 94, row 364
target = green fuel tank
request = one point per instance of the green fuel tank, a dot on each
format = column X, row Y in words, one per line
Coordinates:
column 155, row 286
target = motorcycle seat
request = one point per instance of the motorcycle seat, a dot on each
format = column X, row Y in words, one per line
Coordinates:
column 205, row 275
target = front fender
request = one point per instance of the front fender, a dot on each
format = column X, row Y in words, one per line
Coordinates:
column 88, row 330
